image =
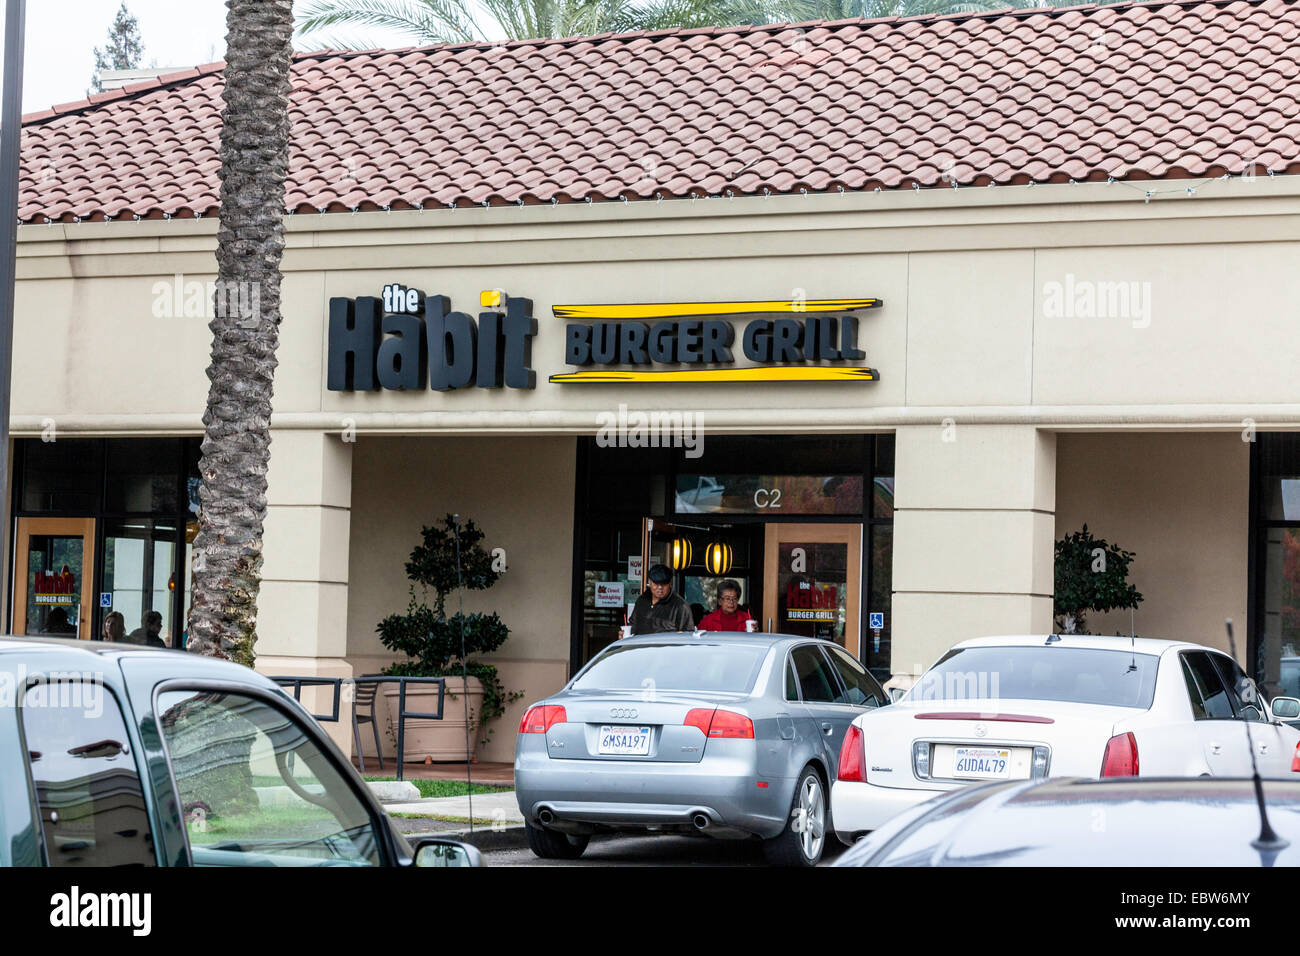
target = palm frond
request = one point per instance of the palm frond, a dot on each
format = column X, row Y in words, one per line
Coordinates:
column 803, row 10
column 687, row 14
column 336, row 41
column 460, row 21
column 425, row 21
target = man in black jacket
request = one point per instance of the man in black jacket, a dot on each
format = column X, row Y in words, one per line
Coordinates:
column 659, row 610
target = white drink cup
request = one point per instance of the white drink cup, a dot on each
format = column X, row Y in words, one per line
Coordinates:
column 625, row 631
column 751, row 626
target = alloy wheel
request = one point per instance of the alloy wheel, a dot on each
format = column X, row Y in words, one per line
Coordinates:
column 812, row 817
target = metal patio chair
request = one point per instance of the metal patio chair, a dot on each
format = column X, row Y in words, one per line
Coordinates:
column 365, row 700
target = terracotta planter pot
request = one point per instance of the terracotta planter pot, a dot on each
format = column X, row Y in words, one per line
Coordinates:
column 440, row 740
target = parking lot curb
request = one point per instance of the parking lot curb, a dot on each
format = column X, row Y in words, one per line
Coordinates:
column 510, row 837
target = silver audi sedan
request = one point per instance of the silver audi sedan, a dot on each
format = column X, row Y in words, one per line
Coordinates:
column 726, row 735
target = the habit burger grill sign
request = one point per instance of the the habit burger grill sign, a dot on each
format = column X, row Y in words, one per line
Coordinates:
column 781, row 338
column 404, row 340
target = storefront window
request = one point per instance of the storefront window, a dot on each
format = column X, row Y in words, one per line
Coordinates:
column 769, row 494
column 1276, row 618
column 140, row 576
column 63, row 476
column 133, row 502
column 812, row 602
column 54, row 579
column 702, row 593
column 882, row 488
column 733, row 490
column 611, row 582
column 142, row 475
column 876, row 641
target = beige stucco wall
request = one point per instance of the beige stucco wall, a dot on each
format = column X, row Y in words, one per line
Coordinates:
column 1180, row 503
column 521, row 495
column 965, row 328
column 967, row 339
column 973, row 512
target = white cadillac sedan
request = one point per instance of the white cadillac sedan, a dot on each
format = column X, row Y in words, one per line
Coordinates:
column 1069, row 705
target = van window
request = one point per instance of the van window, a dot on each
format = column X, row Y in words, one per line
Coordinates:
column 256, row 790
column 83, row 772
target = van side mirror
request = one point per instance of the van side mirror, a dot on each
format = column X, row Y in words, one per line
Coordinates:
column 435, row 851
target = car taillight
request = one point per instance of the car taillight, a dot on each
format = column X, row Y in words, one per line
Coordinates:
column 853, row 756
column 700, row 717
column 541, row 717
column 1121, row 757
column 720, row 723
column 727, row 724
column 1295, row 760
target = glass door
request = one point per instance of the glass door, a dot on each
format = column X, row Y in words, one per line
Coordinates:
column 813, row 580
column 139, row 578
column 54, row 572
column 658, row 546
column 685, row 549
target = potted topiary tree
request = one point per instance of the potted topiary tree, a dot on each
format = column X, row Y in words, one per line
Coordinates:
column 1091, row 575
column 431, row 642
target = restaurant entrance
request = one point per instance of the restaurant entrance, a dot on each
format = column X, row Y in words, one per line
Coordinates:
column 802, row 524
column 103, row 525
column 812, row 581
column 53, row 575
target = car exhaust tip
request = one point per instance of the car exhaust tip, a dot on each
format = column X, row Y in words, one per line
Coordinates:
column 702, row 821
column 546, row 817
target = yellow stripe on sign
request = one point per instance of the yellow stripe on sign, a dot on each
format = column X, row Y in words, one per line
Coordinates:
column 784, row 373
column 681, row 310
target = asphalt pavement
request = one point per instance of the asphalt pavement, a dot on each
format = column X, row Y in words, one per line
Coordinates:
column 499, row 834
column 655, row 851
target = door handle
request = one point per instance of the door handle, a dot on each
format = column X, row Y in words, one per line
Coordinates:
column 1216, row 749
column 828, row 728
column 769, row 625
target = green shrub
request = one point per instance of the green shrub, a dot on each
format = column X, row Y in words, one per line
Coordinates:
column 431, row 641
column 1091, row 575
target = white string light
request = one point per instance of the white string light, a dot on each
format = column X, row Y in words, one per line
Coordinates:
column 1148, row 193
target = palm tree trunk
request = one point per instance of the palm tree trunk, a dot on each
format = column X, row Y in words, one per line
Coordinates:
column 245, row 330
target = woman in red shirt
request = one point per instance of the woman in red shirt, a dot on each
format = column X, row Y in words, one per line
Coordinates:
column 728, row 616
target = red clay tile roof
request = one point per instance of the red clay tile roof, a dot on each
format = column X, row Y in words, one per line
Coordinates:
column 1136, row 91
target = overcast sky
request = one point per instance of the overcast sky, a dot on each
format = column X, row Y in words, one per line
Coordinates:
column 61, row 36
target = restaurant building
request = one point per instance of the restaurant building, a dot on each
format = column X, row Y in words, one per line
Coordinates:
column 882, row 309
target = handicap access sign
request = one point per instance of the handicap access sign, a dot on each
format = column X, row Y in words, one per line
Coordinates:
column 877, row 620
column 106, row 599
